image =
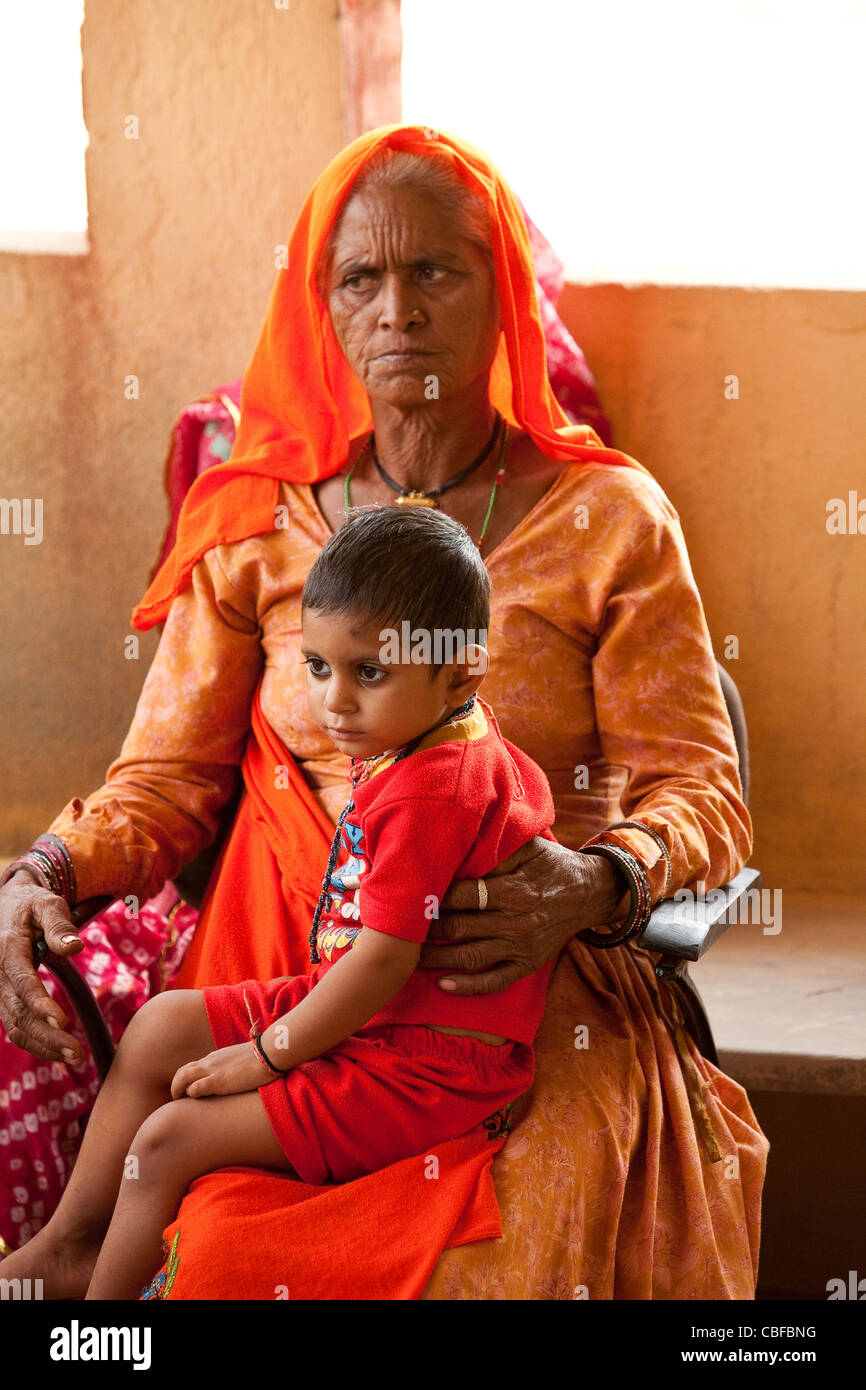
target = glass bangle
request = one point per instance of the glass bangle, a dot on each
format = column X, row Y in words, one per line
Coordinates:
column 654, row 835
column 639, row 894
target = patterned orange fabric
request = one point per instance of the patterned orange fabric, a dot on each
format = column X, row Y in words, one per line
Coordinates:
column 601, row 669
column 600, row 660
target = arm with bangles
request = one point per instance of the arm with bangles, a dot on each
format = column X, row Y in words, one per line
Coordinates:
column 351, row 992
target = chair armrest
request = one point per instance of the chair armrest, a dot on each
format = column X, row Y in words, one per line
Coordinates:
column 687, row 929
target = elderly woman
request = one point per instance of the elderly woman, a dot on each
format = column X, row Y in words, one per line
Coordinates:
column 403, row 327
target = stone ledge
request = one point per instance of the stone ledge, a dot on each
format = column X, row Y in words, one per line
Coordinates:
column 790, row 1071
column 788, row 1010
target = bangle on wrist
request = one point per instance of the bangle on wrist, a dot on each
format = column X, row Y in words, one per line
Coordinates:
column 648, row 830
column 263, row 1056
column 256, row 1041
column 49, row 860
column 34, row 866
column 640, row 903
column 52, row 847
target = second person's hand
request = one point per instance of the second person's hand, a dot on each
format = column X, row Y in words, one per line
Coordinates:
column 33, row 1020
column 536, row 899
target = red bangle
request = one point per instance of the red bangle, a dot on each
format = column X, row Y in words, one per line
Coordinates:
column 35, row 866
column 49, row 859
column 54, row 849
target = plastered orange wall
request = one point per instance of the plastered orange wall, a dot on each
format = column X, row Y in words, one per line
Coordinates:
column 751, row 478
column 239, row 110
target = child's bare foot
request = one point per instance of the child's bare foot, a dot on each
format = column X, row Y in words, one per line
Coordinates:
column 63, row 1264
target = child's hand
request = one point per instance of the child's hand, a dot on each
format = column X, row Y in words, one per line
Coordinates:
column 226, row 1072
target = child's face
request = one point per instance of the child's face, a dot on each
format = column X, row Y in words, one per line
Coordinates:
column 365, row 704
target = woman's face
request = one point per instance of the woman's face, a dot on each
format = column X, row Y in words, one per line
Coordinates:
column 413, row 303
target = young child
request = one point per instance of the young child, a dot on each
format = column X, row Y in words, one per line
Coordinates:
column 366, row 1061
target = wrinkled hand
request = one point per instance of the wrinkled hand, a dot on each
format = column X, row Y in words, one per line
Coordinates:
column 537, row 898
column 226, row 1072
column 32, row 1019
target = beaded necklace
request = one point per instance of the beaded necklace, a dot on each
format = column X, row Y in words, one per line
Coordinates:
column 416, row 498
column 361, row 769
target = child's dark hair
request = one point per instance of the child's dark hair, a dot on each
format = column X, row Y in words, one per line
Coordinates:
column 403, row 564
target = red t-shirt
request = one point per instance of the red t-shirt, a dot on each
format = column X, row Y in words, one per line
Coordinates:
column 458, row 806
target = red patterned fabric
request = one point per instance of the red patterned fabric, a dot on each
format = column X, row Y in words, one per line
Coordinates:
column 125, row 961
column 202, row 436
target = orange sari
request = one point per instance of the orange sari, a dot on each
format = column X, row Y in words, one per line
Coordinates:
column 602, row 669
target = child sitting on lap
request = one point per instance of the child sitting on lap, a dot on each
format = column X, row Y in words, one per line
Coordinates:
column 366, row 1061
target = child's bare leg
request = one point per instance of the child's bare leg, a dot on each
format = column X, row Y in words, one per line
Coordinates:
column 176, row 1144
column 168, row 1031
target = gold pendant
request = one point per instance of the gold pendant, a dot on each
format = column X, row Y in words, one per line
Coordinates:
column 415, row 499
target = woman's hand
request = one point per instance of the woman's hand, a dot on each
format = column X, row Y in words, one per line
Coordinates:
column 30, row 1016
column 536, row 899
column 226, row 1072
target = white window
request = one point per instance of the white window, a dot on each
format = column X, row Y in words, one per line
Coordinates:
column 43, row 196
column 678, row 142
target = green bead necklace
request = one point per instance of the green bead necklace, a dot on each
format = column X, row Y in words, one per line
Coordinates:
column 424, row 499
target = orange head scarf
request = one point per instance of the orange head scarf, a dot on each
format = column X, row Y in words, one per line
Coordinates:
column 301, row 404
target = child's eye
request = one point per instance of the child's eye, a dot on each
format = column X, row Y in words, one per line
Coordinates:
column 371, row 675
column 315, row 664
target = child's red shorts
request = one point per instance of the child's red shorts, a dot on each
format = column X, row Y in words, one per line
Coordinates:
column 385, row 1094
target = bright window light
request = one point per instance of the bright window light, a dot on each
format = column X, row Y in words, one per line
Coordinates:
column 683, row 142
column 43, row 194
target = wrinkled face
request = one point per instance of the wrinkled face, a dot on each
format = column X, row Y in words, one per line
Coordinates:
column 410, row 298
